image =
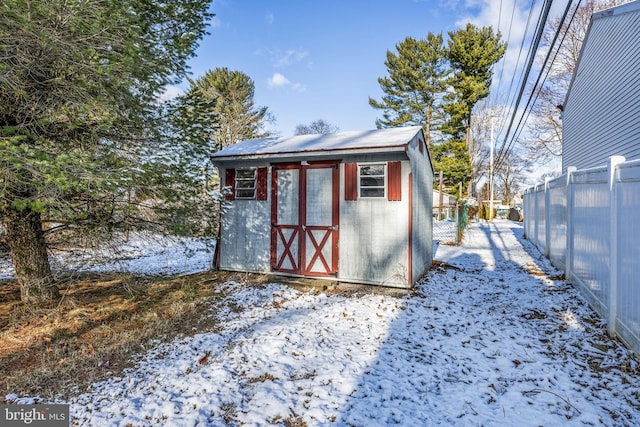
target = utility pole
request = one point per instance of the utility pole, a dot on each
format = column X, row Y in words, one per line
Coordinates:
column 491, row 173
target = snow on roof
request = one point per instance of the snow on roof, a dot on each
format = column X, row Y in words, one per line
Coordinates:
column 354, row 140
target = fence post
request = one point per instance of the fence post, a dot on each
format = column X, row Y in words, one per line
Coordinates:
column 613, row 244
column 568, row 262
column 525, row 205
column 547, row 215
column 535, row 217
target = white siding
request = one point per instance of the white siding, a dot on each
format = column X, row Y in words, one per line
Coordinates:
column 601, row 116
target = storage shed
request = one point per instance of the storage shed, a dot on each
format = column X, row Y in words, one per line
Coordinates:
column 601, row 117
column 349, row 206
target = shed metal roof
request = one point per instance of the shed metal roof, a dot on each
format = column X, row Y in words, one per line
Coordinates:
column 377, row 140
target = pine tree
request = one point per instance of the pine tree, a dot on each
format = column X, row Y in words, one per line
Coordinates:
column 224, row 99
column 429, row 84
column 452, row 158
column 415, row 82
column 79, row 118
column 471, row 52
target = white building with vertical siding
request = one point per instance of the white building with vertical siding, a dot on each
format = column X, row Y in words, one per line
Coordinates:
column 349, row 206
column 601, row 116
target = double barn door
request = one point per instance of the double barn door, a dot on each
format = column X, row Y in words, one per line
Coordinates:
column 305, row 218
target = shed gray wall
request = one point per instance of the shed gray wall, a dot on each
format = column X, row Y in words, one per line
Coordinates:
column 246, row 234
column 374, row 233
column 374, row 237
column 601, row 115
column 422, row 217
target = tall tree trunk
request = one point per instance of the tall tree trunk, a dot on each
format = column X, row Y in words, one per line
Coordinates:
column 29, row 255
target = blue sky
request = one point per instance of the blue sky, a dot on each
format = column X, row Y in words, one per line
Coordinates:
column 313, row 59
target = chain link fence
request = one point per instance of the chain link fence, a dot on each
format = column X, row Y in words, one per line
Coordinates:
column 449, row 229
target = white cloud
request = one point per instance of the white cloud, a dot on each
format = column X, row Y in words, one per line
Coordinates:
column 215, row 22
column 289, row 57
column 282, row 59
column 269, row 18
column 298, row 87
column 510, row 18
column 170, row 92
column 280, row 81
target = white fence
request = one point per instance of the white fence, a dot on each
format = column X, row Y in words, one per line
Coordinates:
column 586, row 223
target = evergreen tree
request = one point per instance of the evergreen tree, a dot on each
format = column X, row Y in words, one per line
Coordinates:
column 80, row 121
column 415, row 81
column 471, row 52
column 452, row 158
column 429, row 83
column 221, row 103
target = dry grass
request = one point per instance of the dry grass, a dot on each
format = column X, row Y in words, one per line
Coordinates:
column 96, row 329
column 103, row 321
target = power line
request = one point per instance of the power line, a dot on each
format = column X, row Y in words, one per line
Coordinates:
column 502, row 153
column 542, row 19
column 517, row 65
column 548, row 71
column 513, row 11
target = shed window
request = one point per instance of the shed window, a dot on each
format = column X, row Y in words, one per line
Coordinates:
column 372, row 178
column 245, row 184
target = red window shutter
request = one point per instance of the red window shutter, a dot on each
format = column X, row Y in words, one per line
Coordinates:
column 230, row 181
column 261, row 184
column 394, row 181
column 350, row 181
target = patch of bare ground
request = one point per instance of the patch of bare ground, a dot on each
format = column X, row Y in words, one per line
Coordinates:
column 97, row 328
column 441, row 266
column 103, row 322
column 534, row 270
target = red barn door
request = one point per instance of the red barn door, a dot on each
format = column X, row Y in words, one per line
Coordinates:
column 305, row 218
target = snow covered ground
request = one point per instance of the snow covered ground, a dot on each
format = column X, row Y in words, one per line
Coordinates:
column 141, row 254
column 490, row 338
